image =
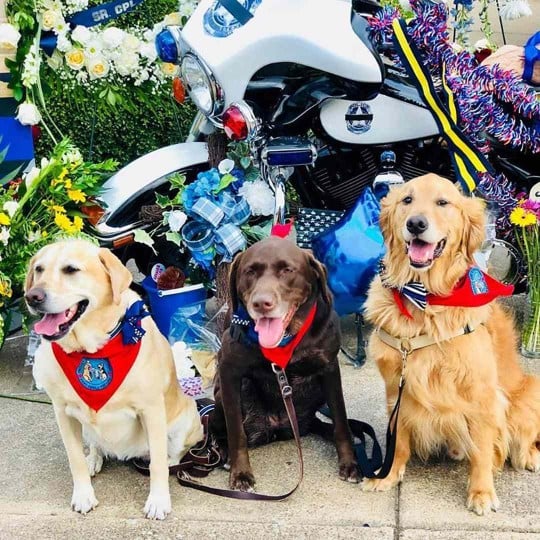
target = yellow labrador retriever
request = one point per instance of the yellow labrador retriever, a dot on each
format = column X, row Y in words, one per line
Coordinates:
column 107, row 368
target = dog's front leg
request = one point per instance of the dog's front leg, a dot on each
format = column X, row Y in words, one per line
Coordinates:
column 482, row 497
column 241, row 476
column 158, row 504
column 348, row 469
column 84, row 498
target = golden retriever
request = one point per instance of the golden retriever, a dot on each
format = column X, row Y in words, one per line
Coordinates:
column 82, row 292
column 468, row 393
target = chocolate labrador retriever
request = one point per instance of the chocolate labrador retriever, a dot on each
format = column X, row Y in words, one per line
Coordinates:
column 274, row 287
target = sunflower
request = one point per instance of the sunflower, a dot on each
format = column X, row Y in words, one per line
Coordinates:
column 522, row 217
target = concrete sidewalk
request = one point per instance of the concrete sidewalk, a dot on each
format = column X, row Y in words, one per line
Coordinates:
column 35, row 486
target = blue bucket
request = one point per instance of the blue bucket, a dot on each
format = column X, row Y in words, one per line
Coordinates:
column 164, row 303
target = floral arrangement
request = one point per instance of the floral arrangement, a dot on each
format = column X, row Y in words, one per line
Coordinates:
column 34, row 210
column 102, row 59
column 526, row 219
column 218, row 214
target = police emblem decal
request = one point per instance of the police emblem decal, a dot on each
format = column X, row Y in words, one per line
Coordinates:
column 95, row 373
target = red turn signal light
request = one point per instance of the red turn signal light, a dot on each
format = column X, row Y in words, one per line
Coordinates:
column 239, row 122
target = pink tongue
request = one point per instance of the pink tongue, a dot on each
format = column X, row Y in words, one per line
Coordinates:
column 420, row 252
column 270, row 331
column 50, row 324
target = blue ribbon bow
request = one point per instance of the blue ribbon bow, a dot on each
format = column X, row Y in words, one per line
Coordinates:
column 216, row 224
column 132, row 331
column 532, row 55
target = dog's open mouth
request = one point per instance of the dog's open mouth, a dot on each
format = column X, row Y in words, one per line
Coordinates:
column 54, row 326
column 422, row 254
column 272, row 329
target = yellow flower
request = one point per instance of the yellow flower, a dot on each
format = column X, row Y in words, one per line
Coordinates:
column 67, row 183
column 58, row 209
column 75, row 59
column 170, row 70
column 522, row 218
column 77, row 223
column 76, row 195
column 5, row 288
column 63, row 222
column 4, row 219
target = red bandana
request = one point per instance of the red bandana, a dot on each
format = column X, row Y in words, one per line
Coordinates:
column 474, row 289
column 282, row 355
column 96, row 376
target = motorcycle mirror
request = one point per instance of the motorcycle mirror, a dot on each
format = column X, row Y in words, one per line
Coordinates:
column 500, row 260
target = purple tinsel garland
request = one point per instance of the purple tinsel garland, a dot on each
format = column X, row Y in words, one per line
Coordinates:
column 484, row 95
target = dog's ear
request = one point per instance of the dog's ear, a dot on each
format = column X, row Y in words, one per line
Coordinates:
column 233, row 272
column 29, row 280
column 321, row 276
column 119, row 275
column 474, row 218
column 386, row 217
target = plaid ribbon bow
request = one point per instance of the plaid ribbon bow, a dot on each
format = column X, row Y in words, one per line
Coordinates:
column 416, row 293
column 216, row 225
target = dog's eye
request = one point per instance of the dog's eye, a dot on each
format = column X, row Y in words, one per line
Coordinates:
column 249, row 272
column 38, row 269
column 70, row 269
column 287, row 270
column 442, row 202
column 407, row 200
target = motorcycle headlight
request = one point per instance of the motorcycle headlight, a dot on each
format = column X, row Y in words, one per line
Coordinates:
column 201, row 85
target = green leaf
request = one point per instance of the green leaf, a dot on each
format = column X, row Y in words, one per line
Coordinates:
column 225, row 181
column 142, row 237
column 111, row 98
column 174, row 237
column 252, row 175
column 163, row 201
column 18, row 93
column 245, row 162
column 177, row 180
column 10, row 176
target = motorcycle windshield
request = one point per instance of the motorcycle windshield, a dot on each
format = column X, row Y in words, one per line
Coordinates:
column 314, row 33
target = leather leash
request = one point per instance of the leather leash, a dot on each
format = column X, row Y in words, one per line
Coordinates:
column 185, row 476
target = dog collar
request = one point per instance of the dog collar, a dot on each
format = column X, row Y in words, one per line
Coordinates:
column 474, row 289
column 243, row 327
column 95, row 377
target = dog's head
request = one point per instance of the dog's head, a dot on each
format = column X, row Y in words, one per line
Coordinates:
column 273, row 279
column 431, row 231
column 68, row 280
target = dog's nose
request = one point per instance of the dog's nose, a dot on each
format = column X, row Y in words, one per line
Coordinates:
column 417, row 224
column 263, row 302
column 36, row 296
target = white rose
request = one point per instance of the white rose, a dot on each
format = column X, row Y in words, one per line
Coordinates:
column 176, row 220
column 482, row 44
column 131, row 42
column 170, row 70
column 50, row 18
column 173, row 19
column 259, row 197
column 112, row 37
column 9, row 36
column 28, row 114
column 97, row 67
column 81, row 35
column 148, row 51
column 4, row 235
column 10, row 207
column 226, row 166
column 56, row 60
column 127, row 63
column 75, row 59
column 62, row 43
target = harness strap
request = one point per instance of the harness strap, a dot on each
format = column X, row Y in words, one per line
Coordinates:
column 286, row 393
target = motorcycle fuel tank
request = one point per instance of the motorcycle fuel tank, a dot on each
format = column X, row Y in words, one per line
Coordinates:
column 376, row 121
column 314, row 33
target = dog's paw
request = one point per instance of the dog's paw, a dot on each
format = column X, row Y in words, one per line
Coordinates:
column 94, row 461
column 482, row 502
column 242, row 481
column 383, row 484
column 157, row 506
column 349, row 472
column 84, row 499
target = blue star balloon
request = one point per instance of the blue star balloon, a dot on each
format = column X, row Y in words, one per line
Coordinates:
column 351, row 250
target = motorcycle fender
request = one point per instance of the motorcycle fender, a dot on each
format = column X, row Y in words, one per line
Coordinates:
column 145, row 174
column 391, row 120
